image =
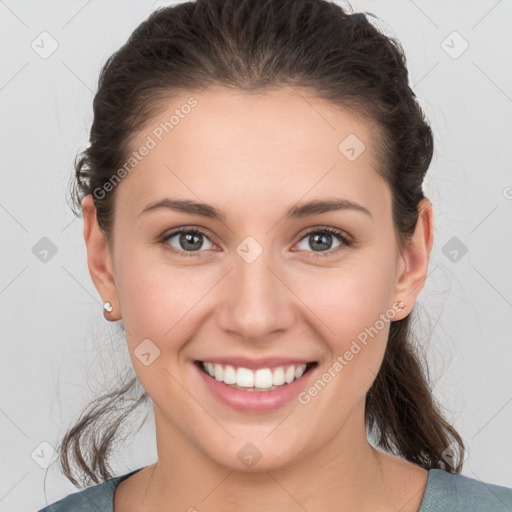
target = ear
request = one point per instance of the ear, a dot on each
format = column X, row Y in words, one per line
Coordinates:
column 415, row 256
column 99, row 259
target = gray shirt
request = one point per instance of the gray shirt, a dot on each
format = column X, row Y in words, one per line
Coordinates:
column 445, row 492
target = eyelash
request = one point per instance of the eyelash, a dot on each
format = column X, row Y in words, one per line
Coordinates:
column 340, row 235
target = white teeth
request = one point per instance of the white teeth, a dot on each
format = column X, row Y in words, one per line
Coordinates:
column 261, row 379
column 300, row 371
column 289, row 375
column 278, row 376
column 229, row 375
column 210, row 369
column 219, row 372
column 244, row 378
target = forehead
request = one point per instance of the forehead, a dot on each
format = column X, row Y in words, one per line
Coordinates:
column 254, row 148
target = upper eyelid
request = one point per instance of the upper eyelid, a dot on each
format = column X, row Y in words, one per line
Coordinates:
column 177, row 231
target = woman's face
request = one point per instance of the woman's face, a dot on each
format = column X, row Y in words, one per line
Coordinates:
column 265, row 286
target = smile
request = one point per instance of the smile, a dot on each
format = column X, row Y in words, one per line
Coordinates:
column 260, row 389
column 262, row 379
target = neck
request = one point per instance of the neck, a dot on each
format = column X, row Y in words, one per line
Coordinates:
column 346, row 474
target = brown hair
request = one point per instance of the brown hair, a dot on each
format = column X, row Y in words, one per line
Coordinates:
column 253, row 46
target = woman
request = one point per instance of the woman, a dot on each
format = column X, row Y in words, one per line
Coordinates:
column 254, row 214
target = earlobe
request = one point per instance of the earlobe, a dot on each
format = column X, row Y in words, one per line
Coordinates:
column 99, row 258
column 416, row 256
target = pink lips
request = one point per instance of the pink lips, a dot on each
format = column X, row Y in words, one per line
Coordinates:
column 256, row 401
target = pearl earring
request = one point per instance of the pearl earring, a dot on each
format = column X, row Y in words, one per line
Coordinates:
column 107, row 306
column 401, row 305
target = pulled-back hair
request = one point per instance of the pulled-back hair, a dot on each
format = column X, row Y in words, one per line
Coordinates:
column 255, row 46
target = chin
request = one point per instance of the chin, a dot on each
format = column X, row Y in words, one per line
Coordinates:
column 255, row 456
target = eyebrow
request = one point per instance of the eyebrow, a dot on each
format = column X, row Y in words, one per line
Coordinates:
column 311, row 208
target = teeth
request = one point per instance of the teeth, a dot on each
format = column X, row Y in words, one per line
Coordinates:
column 219, row 372
column 261, row 379
column 278, row 376
column 229, row 375
column 244, row 378
column 210, row 369
column 300, row 371
column 289, row 375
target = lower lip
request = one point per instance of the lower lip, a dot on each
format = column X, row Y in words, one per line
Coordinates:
column 256, row 401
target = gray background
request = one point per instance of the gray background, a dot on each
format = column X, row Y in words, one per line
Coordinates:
column 56, row 346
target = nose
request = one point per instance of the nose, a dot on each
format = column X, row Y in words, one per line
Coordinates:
column 257, row 301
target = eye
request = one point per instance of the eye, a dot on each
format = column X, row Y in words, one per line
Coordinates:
column 321, row 238
column 190, row 241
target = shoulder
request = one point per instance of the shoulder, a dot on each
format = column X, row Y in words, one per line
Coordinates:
column 97, row 498
column 450, row 492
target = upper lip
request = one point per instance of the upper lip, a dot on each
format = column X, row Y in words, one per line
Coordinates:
column 254, row 364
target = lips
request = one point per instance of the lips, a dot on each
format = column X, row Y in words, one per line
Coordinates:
column 255, row 396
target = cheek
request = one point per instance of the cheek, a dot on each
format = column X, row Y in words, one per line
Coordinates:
column 159, row 307
column 353, row 310
column 154, row 295
column 159, row 299
column 351, row 297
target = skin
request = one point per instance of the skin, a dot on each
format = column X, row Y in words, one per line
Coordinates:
column 253, row 157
